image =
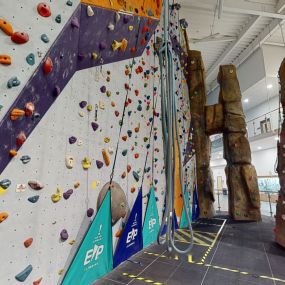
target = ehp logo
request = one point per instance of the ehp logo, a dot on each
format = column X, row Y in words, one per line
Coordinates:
column 93, row 253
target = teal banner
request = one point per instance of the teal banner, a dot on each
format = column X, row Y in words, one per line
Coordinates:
column 183, row 220
column 151, row 220
column 94, row 258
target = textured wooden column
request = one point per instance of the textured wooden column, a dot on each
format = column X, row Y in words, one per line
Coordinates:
column 244, row 199
column 280, row 208
column 202, row 143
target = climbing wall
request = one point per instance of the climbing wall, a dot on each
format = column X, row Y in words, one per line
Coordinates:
column 280, row 208
column 49, row 190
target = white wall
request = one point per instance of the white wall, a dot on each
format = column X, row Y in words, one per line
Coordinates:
column 264, row 161
column 273, row 56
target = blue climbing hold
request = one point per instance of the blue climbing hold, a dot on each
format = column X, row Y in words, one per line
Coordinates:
column 136, row 176
column 44, row 38
column 22, row 276
column 58, row 19
column 34, row 199
column 25, row 159
column 13, row 82
column 5, row 183
column 69, row 3
column 124, row 152
column 30, row 59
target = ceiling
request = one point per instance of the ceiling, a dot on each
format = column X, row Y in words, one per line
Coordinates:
column 229, row 32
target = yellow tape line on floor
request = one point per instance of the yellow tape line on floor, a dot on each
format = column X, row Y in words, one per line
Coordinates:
column 146, row 280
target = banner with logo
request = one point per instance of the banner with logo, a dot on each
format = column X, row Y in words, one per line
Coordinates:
column 195, row 206
column 183, row 220
column 130, row 241
column 94, row 257
column 151, row 220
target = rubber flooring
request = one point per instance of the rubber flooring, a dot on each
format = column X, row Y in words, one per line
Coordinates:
column 225, row 253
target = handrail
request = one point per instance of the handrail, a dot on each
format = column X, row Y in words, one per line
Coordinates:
column 262, row 115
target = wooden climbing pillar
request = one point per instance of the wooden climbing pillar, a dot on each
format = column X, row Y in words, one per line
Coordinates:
column 244, row 199
column 280, row 208
column 202, row 143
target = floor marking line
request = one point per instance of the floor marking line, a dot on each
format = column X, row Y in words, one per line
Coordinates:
column 201, row 236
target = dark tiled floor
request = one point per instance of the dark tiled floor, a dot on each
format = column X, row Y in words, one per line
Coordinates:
column 243, row 253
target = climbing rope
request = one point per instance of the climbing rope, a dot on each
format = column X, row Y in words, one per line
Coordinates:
column 170, row 129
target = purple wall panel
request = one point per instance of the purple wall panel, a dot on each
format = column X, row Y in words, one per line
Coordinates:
column 90, row 38
column 70, row 43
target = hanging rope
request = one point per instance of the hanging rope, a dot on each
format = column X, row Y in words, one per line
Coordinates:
column 170, row 129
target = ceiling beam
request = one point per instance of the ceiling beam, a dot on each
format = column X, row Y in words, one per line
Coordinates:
column 213, row 40
column 244, row 9
column 274, row 44
column 232, row 46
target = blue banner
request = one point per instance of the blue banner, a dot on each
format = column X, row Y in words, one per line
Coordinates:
column 94, row 257
column 130, row 241
column 195, row 205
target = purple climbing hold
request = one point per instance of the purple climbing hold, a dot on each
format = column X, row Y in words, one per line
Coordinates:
column 95, row 126
column 103, row 89
column 64, row 235
column 75, row 23
column 99, row 164
column 81, row 56
column 102, row 46
column 56, row 90
column 67, row 194
column 90, row 212
column 72, row 140
column 126, row 19
column 82, row 104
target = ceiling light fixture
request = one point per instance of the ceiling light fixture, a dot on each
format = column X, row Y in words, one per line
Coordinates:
column 269, row 86
column 276, row 138
column 246, row 100
column 259, row 147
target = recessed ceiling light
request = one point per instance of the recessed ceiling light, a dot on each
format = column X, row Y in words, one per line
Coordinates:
column 220, row 153
column 245, row 100
column 269, row 86
column 259, row 147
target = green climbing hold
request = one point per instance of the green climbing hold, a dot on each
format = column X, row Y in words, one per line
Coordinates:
column 44, row 38
column 58, row 19
column 136, row 176
column 22, row 276
column 13, row 82
column 5, row 183
column 30, row 59
column 124, row 152
column 34, row 199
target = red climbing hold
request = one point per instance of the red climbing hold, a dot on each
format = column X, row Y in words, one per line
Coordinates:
column 44, row 10
column 20, row 38
column 137, row 92
column 29, row 109
column 48, row 65
column 38, row 281
column 117, row 113
column 21, row 138
column 145, row 29
column 28, row 242
column 133, row 49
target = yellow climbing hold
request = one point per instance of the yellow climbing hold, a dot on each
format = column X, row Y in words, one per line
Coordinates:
column 131, row 28
column 86, row 163
column 2, row 191
column 76, row 184
column 89, row 108
column 107, row 140
column 57, row 196
column 72, row 242
column 94, row 184
column 60, row 271
column 94, row 55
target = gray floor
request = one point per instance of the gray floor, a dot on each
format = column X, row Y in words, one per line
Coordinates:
column 225, row 252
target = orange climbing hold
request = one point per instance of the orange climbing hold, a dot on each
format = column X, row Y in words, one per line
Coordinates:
column 13, row 152
column 16, row 113
column 28, row 242
column 5, row 59
column 3, row 216
column 106, row 157
column 119, row 233
column 6, row 27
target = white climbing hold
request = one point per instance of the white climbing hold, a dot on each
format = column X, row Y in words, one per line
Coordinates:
column 110, row 150
column 21, row 188
column 117, row 17
column 101, row 105
column 80, row 142
column 111, row 27
column 90, row 11
column 69, row 161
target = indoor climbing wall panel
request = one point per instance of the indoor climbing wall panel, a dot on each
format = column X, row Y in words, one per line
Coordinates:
column 78, row 46
column 83, row 122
